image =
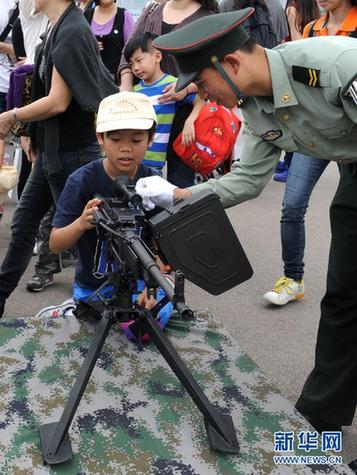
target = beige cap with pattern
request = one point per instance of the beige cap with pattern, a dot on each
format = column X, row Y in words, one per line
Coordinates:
column 125, row 110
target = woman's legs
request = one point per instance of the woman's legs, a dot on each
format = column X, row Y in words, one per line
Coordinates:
column 49, row 263
column 35, row 200
column 304, row 173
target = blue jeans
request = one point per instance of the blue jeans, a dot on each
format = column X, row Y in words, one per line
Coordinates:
column 40, row 191
column 304, row 173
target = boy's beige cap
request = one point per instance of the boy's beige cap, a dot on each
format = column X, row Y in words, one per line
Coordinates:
column 125, row 110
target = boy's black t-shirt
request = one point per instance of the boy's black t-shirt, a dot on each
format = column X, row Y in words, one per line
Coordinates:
column 83, row 185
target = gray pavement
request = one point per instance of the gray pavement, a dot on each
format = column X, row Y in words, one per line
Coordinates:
column 281, row 340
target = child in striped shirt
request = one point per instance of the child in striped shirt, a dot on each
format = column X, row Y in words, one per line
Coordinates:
column 145, row 61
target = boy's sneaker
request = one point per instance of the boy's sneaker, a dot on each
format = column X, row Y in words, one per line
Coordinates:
column 285, row 290
column 38, row 282
column 282, row 176
column 280, row 166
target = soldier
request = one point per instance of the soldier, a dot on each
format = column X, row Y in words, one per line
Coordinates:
column 300, row 96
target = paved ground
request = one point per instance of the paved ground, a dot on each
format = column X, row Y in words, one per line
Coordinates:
column 280, row 340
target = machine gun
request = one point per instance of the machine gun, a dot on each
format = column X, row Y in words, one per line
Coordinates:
column 117, row 221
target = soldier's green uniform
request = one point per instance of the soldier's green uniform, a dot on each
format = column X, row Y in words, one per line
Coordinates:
column 314, row 120
column 312, row 111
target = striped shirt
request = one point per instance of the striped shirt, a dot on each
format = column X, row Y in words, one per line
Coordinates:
column 156, row 154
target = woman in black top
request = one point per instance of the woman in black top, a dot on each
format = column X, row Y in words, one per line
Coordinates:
column 112, row 27
column 69, row 81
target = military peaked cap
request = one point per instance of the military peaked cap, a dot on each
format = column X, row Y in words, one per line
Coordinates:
column 204, row 41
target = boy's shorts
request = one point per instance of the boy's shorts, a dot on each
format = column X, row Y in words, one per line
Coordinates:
column 88, row 309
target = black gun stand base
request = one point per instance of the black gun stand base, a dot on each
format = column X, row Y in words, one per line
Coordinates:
column 55, row 442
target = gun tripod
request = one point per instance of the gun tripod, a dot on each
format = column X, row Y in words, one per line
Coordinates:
column 55, row 441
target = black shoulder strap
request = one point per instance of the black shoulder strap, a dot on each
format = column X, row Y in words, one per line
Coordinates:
column 119, row 19
column 9, row 26
column 312, row 32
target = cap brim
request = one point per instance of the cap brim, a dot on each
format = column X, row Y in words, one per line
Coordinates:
column 110, row 125
column 185, row 79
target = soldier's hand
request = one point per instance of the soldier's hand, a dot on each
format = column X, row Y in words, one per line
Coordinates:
column 155, row 191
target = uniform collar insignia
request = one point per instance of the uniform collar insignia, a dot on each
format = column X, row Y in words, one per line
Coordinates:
column 280, row 80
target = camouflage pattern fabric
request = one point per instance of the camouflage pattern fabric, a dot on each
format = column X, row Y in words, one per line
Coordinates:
column 135, row 418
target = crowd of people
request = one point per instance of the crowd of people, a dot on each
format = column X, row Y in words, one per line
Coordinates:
column 109, row 96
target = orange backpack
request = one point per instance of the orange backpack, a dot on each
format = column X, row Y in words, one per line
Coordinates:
column 216, row 130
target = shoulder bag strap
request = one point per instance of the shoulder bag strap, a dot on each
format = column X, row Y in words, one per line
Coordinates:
column 9, row 26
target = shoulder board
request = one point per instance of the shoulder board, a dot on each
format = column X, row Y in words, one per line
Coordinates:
column 308, row 76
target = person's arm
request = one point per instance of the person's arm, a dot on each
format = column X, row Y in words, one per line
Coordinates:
column 169, row 93
column 7, row 48
column 64, row 238
column 343, row 74
column 248, row 177
column 188, row 131
column 55, row 103
column 291, row 15
column 126, row 79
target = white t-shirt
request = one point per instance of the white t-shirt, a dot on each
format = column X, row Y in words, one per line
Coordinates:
column 33, row 25
column 7, row 7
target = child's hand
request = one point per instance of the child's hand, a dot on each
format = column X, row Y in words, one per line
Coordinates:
column 188, row 132
column 146, row 302
column 86, row 219
column 169, row 94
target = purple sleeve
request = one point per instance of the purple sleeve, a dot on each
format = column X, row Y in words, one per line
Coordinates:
column 128, row 25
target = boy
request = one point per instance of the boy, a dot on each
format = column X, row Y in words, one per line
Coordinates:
column 145, row 61
column 126, row 126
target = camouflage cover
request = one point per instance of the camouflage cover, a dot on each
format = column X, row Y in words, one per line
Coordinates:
column 135, row 418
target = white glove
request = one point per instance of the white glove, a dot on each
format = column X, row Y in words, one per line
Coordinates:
column 155, row 191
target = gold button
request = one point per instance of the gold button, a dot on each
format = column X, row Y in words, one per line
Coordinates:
column 311, row 144
column 286, row 117
column 344, row 132
column 286, row 98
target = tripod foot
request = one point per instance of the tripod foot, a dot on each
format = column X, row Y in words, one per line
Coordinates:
column 228, row 442
column 64, row 452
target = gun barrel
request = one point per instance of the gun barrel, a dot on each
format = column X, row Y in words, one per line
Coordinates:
column 120, row 186
column 151, row 266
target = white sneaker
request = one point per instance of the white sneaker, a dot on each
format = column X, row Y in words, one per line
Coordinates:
column 285, row 290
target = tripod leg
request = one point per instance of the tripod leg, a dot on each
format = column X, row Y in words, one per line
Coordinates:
column 219, row 426
column 55, row 442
